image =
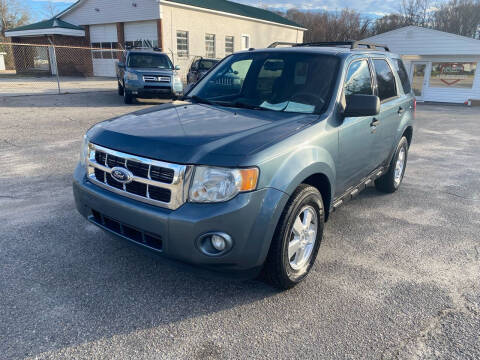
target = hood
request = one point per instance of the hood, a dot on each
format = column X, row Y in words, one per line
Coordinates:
column 196, row 133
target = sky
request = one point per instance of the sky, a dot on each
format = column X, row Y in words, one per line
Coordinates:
column 373, row 8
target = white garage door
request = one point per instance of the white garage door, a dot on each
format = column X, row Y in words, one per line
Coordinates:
column 104, row 39
column 141, row 34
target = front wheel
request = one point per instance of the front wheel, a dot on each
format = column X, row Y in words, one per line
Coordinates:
column 391, row 181
column 297, row 239
column 127, row 97
column 120, row 89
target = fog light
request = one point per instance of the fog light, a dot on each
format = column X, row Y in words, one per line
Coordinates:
column 218, row 242
column 215, row 243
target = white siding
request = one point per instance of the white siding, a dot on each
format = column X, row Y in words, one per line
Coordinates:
column 414, row 40
column 141, row 30
column 112, row 11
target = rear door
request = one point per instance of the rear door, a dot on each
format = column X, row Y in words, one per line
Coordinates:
column 391, row 109
column 356, row 134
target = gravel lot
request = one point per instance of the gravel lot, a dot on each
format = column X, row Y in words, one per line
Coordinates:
column 397, row 276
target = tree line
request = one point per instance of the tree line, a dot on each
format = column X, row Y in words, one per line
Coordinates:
column 460, row 17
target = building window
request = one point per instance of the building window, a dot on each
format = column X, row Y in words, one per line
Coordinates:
column 210, row 46
column 229, row 45
column 452, row 75
column 104, row 50
column 245, row 42
column 182, row 43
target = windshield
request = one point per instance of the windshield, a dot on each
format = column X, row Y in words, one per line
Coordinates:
column 152, row 61
column 206, row 64
column 277, row 81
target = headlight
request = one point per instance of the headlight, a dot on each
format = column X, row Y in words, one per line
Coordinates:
column 212, row 184
column 177, row 84
column 84, row 150
column 131, row 76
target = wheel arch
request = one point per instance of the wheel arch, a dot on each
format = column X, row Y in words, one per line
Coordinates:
column 408, row 133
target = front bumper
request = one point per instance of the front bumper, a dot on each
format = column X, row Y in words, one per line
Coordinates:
column 148, row 89
column 250, row 219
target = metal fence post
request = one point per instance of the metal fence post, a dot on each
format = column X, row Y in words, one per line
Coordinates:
column 56, row 66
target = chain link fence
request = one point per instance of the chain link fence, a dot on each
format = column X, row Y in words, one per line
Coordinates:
column 52, row 69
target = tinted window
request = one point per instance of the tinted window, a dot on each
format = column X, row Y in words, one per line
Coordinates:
column 359, row 80
column 385, row 80
column 402, row 74
column 206, row 64
column 277, row 81
column 151, row 61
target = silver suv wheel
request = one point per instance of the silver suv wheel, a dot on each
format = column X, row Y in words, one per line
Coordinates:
column 302, row 238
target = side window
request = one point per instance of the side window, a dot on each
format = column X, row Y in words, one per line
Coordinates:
column 359, row 80
column 402, row 74
column 385, row 80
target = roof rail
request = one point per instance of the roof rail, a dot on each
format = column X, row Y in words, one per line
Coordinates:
column 280, row 43
column 351, row 44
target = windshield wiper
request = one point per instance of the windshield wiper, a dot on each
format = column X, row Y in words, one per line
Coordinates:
column 243, row 105
column 198, row 99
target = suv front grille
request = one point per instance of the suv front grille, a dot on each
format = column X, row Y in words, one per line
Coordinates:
column 156, row 78
column 154, row 182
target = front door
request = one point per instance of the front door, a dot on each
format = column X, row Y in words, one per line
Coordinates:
column 418, row 78
column 356, row 134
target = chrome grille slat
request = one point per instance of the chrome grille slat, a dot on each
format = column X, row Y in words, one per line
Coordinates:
column 176, row 190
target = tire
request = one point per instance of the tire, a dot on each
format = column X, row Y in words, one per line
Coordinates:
column 127, row 97
column 282, row 269
column 391, row 181
column 120, row 89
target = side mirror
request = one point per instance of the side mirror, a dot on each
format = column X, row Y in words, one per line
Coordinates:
column 362, row 105
column 177, row 67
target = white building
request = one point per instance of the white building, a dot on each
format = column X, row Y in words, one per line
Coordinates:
column 181, row 28
column 442, row 66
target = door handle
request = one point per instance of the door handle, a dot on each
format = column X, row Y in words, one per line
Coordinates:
column 374, row 123
column 400, row 110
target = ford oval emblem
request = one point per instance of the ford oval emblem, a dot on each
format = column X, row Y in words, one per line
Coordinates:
column 122, row 175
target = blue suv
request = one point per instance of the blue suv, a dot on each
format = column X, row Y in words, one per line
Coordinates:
column 243, row 172
column 147, row 73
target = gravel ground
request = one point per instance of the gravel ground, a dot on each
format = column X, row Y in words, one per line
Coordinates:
column 397, row 276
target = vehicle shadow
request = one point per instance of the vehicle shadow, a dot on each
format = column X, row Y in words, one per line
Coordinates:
column 90, row 99
column 73, row 283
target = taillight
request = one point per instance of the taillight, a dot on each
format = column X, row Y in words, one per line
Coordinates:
column 414, row 107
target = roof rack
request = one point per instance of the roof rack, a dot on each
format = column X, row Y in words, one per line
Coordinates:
column 143, row 48
column 281, row 43
column 351, row 44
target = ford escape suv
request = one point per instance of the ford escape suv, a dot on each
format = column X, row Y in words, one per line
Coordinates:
column 243, row 172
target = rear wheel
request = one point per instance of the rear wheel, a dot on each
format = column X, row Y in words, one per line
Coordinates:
column 391, row 181
column 297, row 239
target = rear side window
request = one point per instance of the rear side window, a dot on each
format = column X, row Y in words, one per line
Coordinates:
column 402, row 74
column 385, row 80
column 359, row 80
